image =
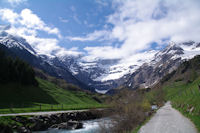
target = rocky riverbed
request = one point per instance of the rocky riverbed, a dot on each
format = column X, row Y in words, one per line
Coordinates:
column 67, row 121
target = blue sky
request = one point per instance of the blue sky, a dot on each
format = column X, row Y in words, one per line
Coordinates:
column 105, row 29
column 71, row 17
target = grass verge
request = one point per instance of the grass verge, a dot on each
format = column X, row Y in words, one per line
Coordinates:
column 139, row 126
column 15, row 98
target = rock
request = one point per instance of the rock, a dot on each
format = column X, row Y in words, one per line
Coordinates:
column 20, row 119
column 31, row 120
column 40, row 126
column 61, row 121
column 23, row 130
column 75, row 125
column 70, row 125
column 14, row 127
column 64, row 117
column 191, row 110
column 61, row 126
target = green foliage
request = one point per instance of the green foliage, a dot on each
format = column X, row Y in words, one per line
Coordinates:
column 59, row 82
column 15, row 70
column 65, row 96
column 146, row 105
column 155, row 96
column 8, row 120
column 129, row 109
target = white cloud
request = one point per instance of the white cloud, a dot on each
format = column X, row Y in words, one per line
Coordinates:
column 102, row 2
column 27, row 19
column 43, row 45
column 96, row 35
column 138, row 23
column 31, row 20
column 9, row 15
column 63, row 20
column 27, row 25
column 102, row 52
column 15, row 2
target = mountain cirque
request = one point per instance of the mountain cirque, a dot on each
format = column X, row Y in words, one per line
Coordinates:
column 105, row 74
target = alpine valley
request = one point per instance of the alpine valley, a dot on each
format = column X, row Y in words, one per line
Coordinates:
column 103, row 75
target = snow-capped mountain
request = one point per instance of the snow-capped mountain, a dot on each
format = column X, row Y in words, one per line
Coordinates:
column 138, row 72
column 18, row 47
column 141, row 70
column 105, row 74
column 164, row 62
column 15, row 42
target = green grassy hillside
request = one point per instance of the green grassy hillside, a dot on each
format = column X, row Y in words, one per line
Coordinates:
column 47, row 96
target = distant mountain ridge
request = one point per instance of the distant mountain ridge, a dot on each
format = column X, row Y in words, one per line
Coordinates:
column 143, row 73
column 18, row 47
column 103, row 75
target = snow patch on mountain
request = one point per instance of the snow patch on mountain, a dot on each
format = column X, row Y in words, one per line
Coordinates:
column 10, row 41
column 101, row 91
column 112, row 70
column 190, row 51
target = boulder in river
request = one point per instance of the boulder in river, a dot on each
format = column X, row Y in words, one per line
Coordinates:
column 70, row 125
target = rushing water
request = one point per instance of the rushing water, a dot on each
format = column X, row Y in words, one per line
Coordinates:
column 92, row 126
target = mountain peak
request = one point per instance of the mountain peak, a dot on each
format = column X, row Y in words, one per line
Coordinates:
column 15, row 42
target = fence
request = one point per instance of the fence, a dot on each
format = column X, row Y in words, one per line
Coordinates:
column 13, row 108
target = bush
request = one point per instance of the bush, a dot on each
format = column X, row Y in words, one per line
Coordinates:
column 129, row 110
column 146, row 105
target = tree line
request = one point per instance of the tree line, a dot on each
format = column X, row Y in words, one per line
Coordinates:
column 14, row 70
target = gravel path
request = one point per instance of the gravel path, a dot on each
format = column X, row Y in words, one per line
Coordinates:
column 168, row 120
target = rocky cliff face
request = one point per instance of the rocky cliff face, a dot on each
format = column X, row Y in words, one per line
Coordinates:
column 163, row 63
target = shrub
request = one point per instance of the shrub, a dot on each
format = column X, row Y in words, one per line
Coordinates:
column 129, row 109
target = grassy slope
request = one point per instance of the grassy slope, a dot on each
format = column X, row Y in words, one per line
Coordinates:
column 16, row 98
column 184, row 96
